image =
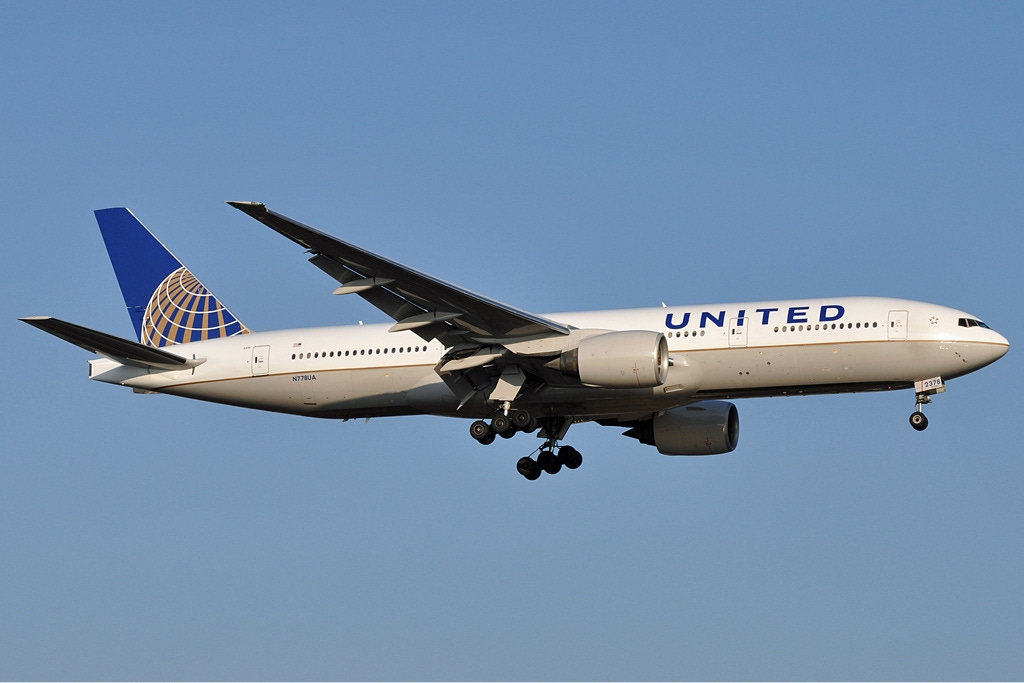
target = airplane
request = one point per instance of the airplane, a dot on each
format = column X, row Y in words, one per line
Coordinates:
column 664, row 375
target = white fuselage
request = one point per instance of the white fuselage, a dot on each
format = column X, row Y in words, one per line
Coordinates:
column 771, row 348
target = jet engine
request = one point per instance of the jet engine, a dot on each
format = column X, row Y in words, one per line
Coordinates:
column 634, row 359
column 705, row 428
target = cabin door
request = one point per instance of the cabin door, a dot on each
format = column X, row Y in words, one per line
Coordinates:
column 260, row 360
column 737, row 332
column 898, row 324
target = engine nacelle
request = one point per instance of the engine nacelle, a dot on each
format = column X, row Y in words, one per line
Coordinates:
column 634, row 359
column 705, row 428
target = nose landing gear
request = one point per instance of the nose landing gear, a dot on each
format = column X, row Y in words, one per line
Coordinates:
column 924, row 390
column 918, row 420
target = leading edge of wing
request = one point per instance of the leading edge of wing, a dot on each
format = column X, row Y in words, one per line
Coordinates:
column 123, row 351
column 476, row 313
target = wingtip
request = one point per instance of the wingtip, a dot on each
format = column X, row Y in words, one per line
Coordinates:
column 245, row 205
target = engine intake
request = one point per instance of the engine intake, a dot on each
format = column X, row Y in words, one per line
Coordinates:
column 705, row 428
column 633, row 359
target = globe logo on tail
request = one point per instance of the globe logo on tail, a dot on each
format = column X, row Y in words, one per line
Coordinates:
column 183, row 310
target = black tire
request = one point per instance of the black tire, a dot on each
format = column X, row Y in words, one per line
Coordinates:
column 918, row 421
column 570, row 457
column 529, row 468
column 480, row 430
column 521, row 419
column 549, row 462
column 501, row 424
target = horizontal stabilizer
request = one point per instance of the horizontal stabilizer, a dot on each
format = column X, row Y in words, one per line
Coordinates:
column 123, row 351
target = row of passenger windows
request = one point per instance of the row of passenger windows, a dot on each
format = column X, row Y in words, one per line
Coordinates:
column 841, row 326
column 360, row 352
column 796, row 328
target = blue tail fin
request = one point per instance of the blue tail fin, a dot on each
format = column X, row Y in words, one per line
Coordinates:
column 166, row 302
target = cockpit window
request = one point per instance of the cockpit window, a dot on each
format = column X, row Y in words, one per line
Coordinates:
column 971, row 322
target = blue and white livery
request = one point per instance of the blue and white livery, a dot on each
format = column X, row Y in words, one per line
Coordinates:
column 664, row 375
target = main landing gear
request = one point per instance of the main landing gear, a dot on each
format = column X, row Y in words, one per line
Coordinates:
column 505, row 426
column 548, row 461
column 551, row 457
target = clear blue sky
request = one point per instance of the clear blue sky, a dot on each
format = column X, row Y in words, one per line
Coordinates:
column 556, row 157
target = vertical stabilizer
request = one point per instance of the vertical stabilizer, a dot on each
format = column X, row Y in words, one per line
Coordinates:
column 166, row 303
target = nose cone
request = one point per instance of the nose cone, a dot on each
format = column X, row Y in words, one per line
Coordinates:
column 1000, row 345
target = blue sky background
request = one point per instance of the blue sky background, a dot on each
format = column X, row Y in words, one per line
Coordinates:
column 556, row 157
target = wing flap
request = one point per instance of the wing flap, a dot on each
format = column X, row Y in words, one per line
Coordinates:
column 123, row 351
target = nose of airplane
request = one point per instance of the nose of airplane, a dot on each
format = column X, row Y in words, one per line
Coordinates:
column 1000, row 345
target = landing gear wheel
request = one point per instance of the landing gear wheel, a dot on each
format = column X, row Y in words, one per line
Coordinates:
column 480, row 430
column 570, row 457
column 529, row 468
column 521, row 419
column 918, row 421
column 501, row 424
column 549, row 462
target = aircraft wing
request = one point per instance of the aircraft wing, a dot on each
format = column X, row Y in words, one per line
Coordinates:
column 123, row 351
column 416, row 301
